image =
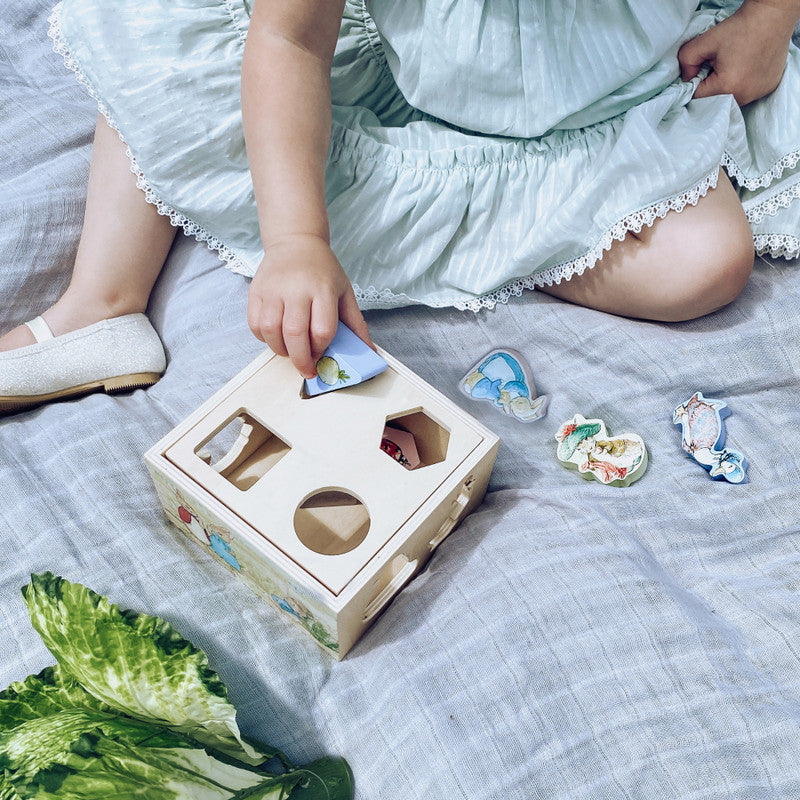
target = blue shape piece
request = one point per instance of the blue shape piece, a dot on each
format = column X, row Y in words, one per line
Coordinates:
column 502, row 365
column 347, row 362
column 703, row 438
column 517, row 389
column 502, row 378
column 485, row 389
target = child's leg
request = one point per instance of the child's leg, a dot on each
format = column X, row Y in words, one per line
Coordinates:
column 688, row 264
column 123, row 245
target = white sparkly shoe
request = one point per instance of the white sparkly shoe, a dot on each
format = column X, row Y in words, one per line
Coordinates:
column 111, row 355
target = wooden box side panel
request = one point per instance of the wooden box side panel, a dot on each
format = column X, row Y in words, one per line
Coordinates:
column 424, row 533
column 205, row 526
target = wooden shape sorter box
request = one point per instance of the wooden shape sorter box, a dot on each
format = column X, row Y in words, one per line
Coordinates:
column 296, row 495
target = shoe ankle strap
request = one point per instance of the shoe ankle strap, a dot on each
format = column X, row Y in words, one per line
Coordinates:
column 40, row 329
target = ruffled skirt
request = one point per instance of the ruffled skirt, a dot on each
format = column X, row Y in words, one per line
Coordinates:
column 421, row 211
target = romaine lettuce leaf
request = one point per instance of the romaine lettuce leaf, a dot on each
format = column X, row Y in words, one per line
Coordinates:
column 88, row 755
column 49, row 692
column 7, row 791
column 133, row 710
column 135, row 663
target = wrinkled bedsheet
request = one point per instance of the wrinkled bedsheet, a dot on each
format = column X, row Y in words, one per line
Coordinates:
column 569, row 640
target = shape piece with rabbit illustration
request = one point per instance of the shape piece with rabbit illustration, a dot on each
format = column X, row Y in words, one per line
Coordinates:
column 703, row 438
column 304, row 499
column 503, row 378
column 586, row 446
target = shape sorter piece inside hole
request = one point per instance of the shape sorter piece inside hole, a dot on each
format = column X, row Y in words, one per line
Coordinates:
column 428, row 444
column 331, row 522
column 243, row 450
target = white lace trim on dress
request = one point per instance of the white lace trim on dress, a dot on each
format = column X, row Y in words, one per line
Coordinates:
column 777, row 245
column 789, row 161
column 179, row 220
column 634, row 222
column 772, row 205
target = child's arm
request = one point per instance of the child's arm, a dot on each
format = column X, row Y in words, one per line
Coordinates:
column 300, row 290
column 747, row 51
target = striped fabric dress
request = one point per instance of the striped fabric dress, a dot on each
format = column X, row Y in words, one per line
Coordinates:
column 478, row 148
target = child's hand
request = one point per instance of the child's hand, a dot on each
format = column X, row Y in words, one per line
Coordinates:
column 297, row 297
column 747, row 52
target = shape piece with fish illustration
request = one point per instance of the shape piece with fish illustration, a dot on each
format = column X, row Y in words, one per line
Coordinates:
column 703, row 438
column 585, row 445
column 502, row 377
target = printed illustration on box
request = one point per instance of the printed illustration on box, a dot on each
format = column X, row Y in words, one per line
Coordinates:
column 296, row 609
column 218, row 540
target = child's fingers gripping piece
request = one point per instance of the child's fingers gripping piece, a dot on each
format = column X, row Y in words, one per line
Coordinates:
column 324, row 319
column 297, row 335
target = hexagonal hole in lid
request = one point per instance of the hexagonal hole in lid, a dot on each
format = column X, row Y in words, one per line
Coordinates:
column 414, row 439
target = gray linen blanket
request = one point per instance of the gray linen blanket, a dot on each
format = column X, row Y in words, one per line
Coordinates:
column 570, row 640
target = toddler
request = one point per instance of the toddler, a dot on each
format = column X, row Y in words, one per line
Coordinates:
column 378, row 153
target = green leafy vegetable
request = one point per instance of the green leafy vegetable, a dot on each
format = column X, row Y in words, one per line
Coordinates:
column 133, row 710
column 137, row 664
column 49, row 692
column 90, row 754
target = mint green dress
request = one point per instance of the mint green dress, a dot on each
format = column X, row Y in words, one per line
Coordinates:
column 478, row 149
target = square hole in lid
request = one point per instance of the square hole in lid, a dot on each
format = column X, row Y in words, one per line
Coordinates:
column 243, row 450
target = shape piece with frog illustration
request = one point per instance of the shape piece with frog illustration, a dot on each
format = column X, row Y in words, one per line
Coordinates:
column 586, row 446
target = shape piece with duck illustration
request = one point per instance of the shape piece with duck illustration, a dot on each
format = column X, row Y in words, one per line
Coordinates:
column 703, row 438
column 586, row 446
column 502, row 377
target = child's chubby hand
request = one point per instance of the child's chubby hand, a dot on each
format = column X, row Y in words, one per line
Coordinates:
column 747, row 52
column 297, row 297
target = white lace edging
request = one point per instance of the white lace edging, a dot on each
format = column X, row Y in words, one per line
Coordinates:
column 176, row 218
column 777, row 245
column 385, row 298
column 789, row 161
column 772, row 205
column 634, row 222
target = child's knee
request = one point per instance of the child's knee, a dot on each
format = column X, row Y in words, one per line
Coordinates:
column 713, row 274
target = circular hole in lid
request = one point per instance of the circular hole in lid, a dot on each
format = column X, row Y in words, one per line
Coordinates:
column 331, row 522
